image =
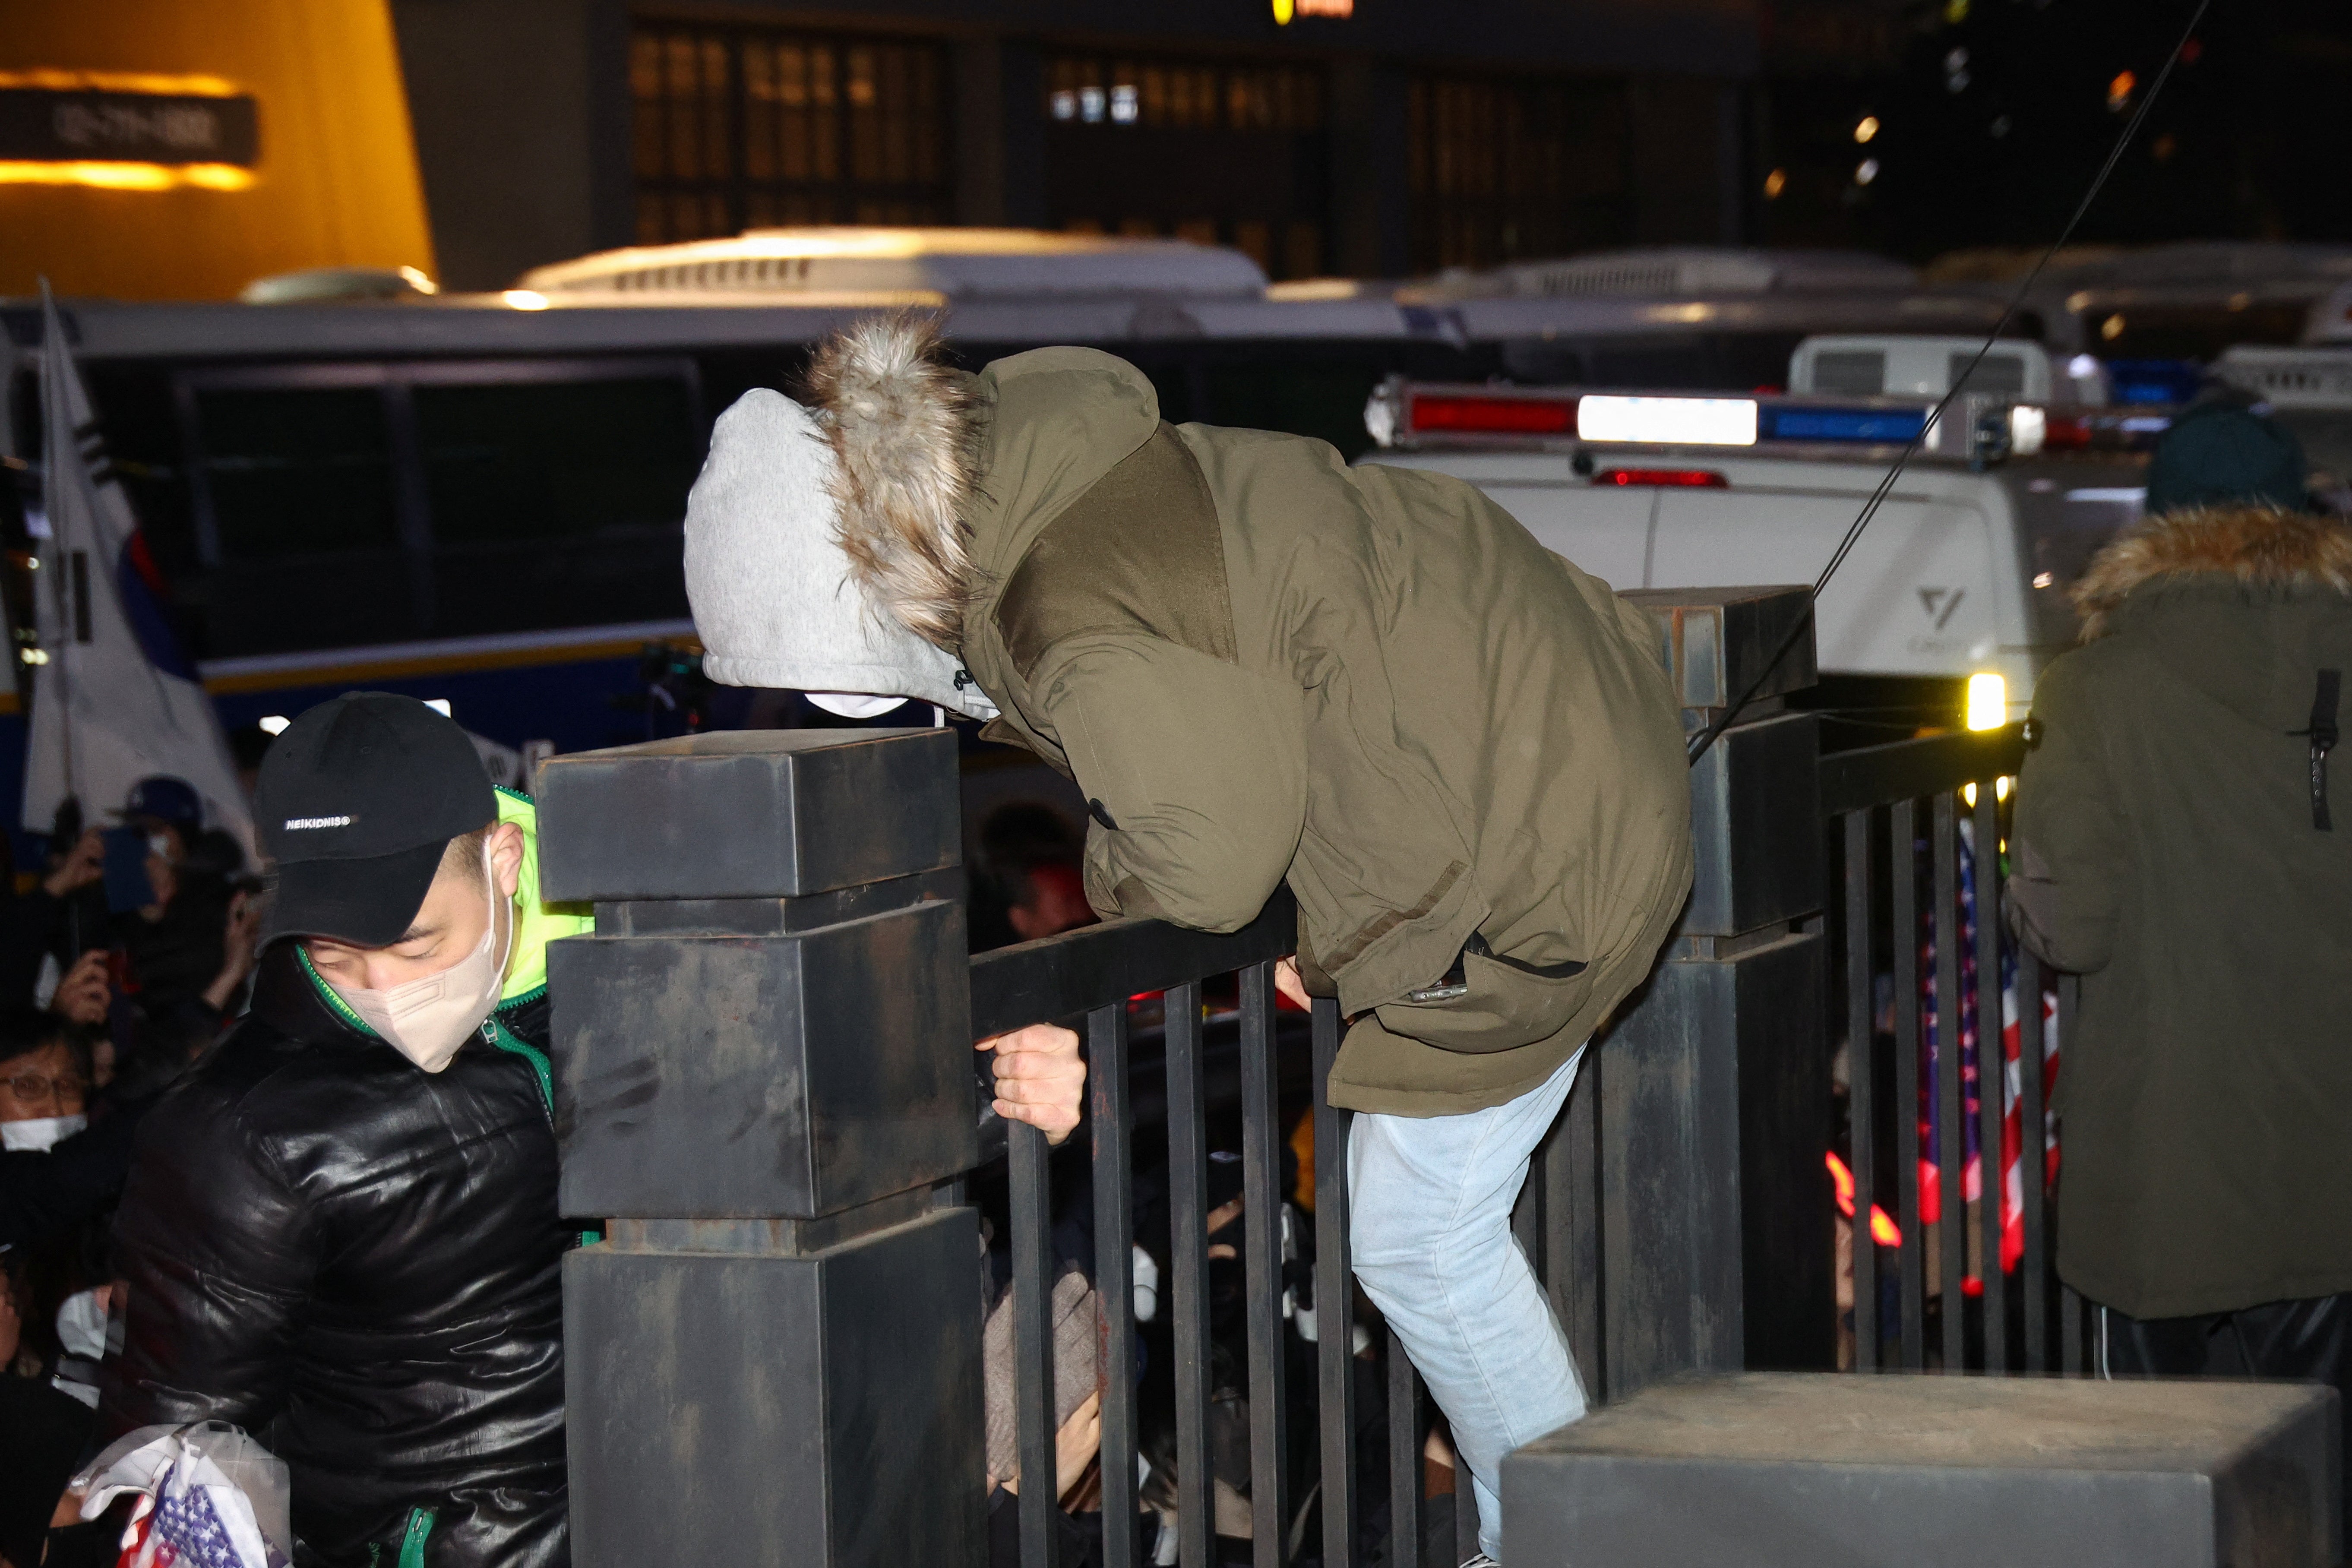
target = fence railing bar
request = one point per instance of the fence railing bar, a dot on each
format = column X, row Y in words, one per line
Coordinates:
column 1188, row 1263
column 1992, row 1076
column 2032, row 1162
column 1114, row 1175
column 1029, row 1174
column 2071, row 1304
column 1465, row 1507
column 1335, row 1288
column 1102, row 965
column 2070, row 1334
column 1406, row 1513
column 1911, row 1257
column 1261, row 1245
column 1902, row 770
column 1572, row 1251
column 1860, row 1034
column 1951, row 1122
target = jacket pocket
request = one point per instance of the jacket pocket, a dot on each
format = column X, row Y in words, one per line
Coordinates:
column 1497, row 1003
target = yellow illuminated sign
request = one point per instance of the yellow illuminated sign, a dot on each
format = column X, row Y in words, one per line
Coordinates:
column 148, row 82
column 110, row 176
column 126, row 131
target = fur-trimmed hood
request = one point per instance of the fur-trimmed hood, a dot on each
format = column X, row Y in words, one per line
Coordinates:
column 2243, row 604
column 904, row 434
column 2256, row 546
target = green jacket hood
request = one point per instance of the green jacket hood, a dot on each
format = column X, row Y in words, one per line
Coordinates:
column 2241, row 603
column 945, row 479
column 1049, row 424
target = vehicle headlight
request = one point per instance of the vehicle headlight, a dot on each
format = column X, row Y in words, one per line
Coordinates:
column 1987, row 706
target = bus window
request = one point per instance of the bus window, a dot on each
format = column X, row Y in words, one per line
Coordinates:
column 298, row 520
column 2189, row 331
column 1324, row 400
column 557, row 502
column 556, row 459
column 296, row 471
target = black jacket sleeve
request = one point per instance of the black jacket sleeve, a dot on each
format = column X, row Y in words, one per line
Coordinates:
column 215, row 1251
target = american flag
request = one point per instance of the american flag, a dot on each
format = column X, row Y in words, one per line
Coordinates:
column 184, row 1529
column 2012, row 1196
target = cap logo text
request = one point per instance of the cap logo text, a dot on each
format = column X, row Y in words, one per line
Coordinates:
column 296, row 824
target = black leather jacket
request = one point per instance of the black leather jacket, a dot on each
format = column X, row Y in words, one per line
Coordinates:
column 359, row 1263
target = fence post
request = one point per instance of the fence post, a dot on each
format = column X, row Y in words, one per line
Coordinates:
column 765, row 1092
column 1715, row 1113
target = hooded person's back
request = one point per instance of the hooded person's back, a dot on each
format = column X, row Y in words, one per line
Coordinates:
column 2177, row 844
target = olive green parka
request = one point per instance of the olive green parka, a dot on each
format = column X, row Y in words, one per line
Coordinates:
column 1260, row 666
column 2176, row 844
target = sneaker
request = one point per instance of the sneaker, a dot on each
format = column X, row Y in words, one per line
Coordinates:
column 1481, row 1561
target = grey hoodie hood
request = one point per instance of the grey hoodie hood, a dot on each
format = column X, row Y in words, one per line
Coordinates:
column 774, row 598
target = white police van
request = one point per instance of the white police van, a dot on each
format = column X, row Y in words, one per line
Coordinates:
column 1963, row 574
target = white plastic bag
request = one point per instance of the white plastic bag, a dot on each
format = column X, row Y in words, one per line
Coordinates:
column 210, row 1497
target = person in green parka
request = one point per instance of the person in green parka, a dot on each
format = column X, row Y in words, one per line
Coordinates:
column 1260, row 666
column 2182, row 843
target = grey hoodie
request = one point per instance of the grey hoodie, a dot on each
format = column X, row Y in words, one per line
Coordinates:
column 774, row 599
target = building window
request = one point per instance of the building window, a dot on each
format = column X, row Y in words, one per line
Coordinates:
column 742, row 127
column 1222, row 153
column 1503, row 170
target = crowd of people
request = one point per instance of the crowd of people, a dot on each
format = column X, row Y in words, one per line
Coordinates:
column 124, row 956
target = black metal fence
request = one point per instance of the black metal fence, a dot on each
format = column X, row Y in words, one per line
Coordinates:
column 1951, row 1028
column 1931, row 985
column 1098, row 972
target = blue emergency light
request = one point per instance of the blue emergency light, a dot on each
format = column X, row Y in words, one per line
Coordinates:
column 1866, row 424
column 2163, row 381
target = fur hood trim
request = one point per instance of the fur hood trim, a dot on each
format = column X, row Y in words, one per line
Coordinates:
column 901, row 425
column 2254, row 544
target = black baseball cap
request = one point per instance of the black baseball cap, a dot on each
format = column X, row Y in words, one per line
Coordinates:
column 166, row 799
column 357, row 801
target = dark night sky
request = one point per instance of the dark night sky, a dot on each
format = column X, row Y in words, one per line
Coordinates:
column 1996, row 115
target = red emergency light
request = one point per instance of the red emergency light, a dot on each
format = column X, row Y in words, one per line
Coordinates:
column 1668, row 479
column 2066, row 434
column 1495, row 416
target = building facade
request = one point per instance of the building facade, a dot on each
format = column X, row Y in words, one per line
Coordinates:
column 1353, row 137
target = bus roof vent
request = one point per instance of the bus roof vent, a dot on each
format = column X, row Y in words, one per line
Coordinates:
column 1672, row 272
column 916, row 264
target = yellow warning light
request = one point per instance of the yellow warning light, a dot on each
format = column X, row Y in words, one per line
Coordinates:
column 1988, row 706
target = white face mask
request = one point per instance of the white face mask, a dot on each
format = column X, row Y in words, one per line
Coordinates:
column 426, row 1020
column 854, row 704
column 81, row 1326
column 40, row 1132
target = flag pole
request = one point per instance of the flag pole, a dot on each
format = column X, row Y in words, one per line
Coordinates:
column 54, row 436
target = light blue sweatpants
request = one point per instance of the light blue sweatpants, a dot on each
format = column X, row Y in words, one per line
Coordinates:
column 1430, row 1200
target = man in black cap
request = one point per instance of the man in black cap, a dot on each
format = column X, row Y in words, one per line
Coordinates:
column 341, row 1233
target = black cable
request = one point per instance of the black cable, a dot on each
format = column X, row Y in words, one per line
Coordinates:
column 1886, row 486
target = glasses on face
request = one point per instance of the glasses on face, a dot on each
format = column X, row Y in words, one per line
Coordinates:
column 31, row 1086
